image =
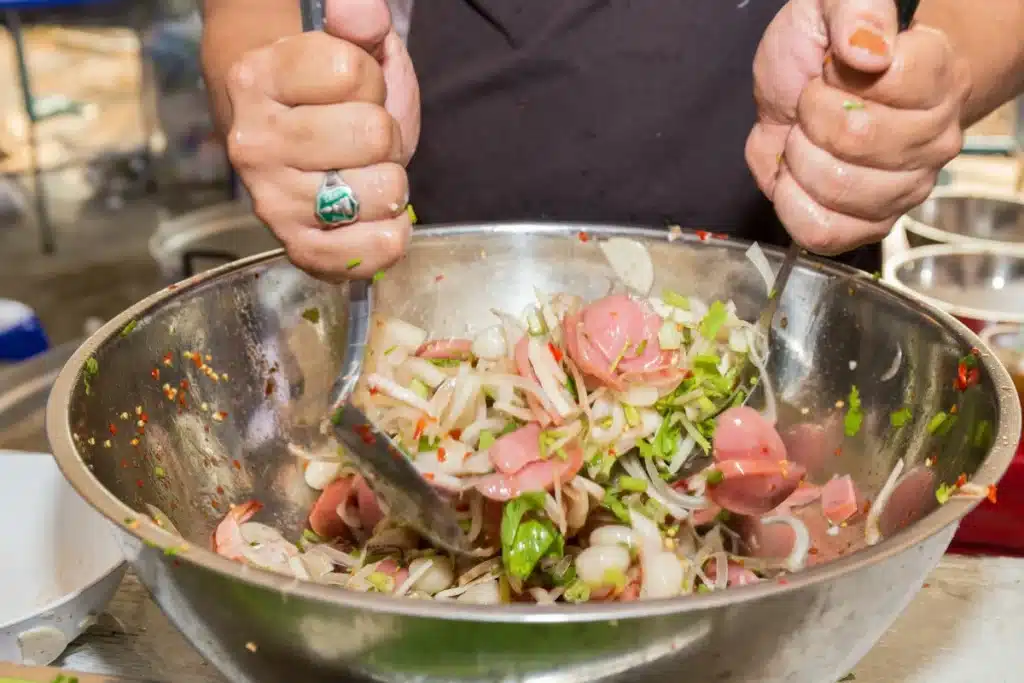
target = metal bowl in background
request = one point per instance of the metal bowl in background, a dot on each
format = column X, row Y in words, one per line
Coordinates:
column 197, row 241
column 24, row 389
column 247, row 321
column 968, row 216
column 979, row 285
column 1007, row 341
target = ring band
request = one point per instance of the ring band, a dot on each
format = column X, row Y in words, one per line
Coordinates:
column 336, row 203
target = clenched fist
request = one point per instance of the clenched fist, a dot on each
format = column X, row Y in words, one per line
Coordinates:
column 345, row 99
column 855, row 120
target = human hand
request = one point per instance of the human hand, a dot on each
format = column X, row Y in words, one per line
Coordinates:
column 854, row 121
column 345, row 99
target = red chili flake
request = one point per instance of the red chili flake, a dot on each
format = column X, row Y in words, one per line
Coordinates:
column 703, row 235
column 421, row 424
column 364, row 433
column 720, row 236
column 583, row 236
column 991, row 494
column 442, row 455
column 220, row 490
column 155, row 374
column 555, row 352
column 113, row 429
column 124, row 463
column 927, row 585
column 439, row 277
column 961, row 480
column 144, row 417
column 839, row 451
column 783, row 582
column 237, row 464
column 168, row 359
column 177, row 562
column 197, row 360
column 455, row 433
column 184, row 384
column 374, row 391
column 139, row 483
column 215, row 505
column 429, row 476
column 812, row 551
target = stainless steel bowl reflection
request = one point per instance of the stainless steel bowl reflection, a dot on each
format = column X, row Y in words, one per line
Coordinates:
column 980, row 285
column 966, row 216
column 245, row 321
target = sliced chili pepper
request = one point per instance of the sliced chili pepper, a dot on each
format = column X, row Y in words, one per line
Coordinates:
column 583, row 237
column 365, row 434
column 703, row 235
column 455, row 433
column 442, row 455
column 991, row 495
column 155, row 374
column 421, row 424
column 555, row 352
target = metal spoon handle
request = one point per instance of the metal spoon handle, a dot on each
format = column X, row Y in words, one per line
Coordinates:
column 312, row 15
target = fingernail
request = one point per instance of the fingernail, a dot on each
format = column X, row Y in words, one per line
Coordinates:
column 868, row 38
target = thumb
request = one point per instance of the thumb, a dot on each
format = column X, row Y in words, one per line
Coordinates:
column 862, row 32
column 365, row 23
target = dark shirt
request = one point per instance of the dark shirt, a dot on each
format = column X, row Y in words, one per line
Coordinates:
column 610, row 111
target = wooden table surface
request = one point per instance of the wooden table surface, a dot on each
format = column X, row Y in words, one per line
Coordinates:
column 964, row 627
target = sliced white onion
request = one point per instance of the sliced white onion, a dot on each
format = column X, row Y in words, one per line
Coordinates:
column 662, row 577
column 631, row 262
column 655, row 488
column 431, row 574
column 338, row 557
column 764, row 269
column 872, row 531
column 770, row 411
column 614, row 534
column 591, row 487
column 491, row 343
column 640, row 396
column 594, row 563
column 550, row 376
column 894, row 367
column 682, row 455
column 542, row 596
column 603, row 408
column 482, row 594
column 320, row 473
column 466, row 387
column 399, row 393
column 426, row 372
column 396, row 332
column 797, row 558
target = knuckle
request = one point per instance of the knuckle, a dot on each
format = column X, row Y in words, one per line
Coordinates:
column 242, row 154
column 242, row 74
column 950, row 144
column 394, row 183
column 378, row 134
column 821, row 240
column 391, row 241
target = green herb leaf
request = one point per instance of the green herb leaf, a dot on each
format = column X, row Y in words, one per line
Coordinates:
column 900, row 417
column 513, row 513
column 312, row 315
column 944, row 493
column 525, row 542
column 854, row 415
column 851, row 105
column 92, row 366
column 378, row 276
column 354, row 263
column 713, row 321
column 675, row 300
column 129, row 328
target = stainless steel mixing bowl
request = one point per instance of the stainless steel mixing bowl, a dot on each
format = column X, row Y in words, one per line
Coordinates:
column 966, row 216
column 226, row 441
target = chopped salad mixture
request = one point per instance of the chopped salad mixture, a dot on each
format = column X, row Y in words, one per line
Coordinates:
column 581, row 447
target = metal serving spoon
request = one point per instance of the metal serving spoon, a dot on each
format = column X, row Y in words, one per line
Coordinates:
column 749, row 375
column 387, row 468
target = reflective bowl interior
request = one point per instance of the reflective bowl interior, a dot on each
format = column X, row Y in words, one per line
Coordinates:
column 197, row 392
column 957, row 216
column 987, row 281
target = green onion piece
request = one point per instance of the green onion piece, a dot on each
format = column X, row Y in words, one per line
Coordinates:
column 703, row 589
column 632, row 484
column 937, row 422
column 129, row 328
column 354, row 263
column 632, row 416
column 381, row 582
column 92, row 366
column 944, row 493
column 420, row 388
column 312, row 315
column 614, row 577
column 486, row 440
column 851, row 105
column 159, row 472
column 378, row 276
column 577, row 592
column 675, row 300
column 714, row 477
column 900, row 417
column 713, row 321
column 854, row 415
column 617, row 507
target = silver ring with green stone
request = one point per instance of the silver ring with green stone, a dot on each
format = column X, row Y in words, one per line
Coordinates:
column 336, row 203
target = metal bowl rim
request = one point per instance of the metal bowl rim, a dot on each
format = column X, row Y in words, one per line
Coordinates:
column 90, row 488
column 933, row 234
column 897, row 261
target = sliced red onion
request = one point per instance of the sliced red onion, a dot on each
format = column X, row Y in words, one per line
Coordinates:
column 797, row 558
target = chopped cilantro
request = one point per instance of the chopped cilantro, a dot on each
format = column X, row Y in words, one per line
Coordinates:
column 854, row 415
column 312, row 315
column 900, row 417
column 129, row 328
column 413, row 218
column 159, row 472
column 851, row 105
column 944, row 493
column 90, row 370
column 353, row 263
column 378, row 276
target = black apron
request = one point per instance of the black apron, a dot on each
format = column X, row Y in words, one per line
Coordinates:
column 610, row 111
